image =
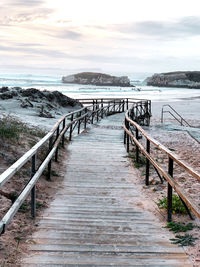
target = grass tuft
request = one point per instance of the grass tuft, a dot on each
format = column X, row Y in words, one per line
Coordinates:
column 184, row 240
column 179, row 227
column 142, row 160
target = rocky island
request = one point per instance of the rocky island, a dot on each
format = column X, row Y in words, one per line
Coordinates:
column 182, row 79
column 94, row 78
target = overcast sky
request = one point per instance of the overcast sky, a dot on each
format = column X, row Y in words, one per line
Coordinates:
column 62, row 36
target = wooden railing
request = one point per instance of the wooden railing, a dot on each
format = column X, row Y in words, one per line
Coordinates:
column 133, row 132
column 65, row 126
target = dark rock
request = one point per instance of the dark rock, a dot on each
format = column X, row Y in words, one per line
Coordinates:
column 94, row 78
column 60, row 99
column 4, row 89
column 16, row 88
column 180, row 79
column 31, row 92
column 6, row 95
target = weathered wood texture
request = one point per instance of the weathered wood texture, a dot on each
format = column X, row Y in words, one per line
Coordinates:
column 91, row 222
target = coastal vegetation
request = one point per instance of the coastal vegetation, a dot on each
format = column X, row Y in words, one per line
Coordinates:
column 177, row 205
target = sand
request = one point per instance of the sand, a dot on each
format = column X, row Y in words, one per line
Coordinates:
column 185, row 142
column 169, row 133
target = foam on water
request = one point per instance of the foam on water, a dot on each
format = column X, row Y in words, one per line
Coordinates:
column 90, row 91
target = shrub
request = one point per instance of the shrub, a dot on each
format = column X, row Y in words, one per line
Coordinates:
column 177, row 205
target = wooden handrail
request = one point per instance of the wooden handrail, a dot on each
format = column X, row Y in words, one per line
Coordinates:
column 84, row 114
column 172, row 157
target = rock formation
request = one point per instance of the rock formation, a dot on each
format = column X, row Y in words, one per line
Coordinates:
column 182, row 79
column 94, row 78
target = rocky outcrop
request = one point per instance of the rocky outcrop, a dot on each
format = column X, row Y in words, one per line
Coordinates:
column 182, row 79
column 47, row 103
column 94, row 78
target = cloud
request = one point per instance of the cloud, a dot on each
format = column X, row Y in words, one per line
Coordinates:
column 24, row 17
column 13, row 12
column 67, row 34
column 34, row 51
column 61, row 21
column 24, row 3
column 184, row 27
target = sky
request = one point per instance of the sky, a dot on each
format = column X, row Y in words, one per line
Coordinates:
column 113, row 36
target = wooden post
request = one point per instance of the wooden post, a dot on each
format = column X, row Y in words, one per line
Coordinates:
column 57, row 135
column 97, row 111
column 127, row 103
column 169, row 191
column 63, row 137
column 85, row 119
column 71, row 128
column 102, row 108
column 79, row 123
column 147, row 163
column 33, row 190
column 125, row 132
column 93, row 107
column 119, row 105
column 137, row 149
column 127, row 137
column 108, row 107
column 49, row 164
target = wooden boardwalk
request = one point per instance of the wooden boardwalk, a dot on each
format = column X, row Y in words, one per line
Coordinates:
column 90, row 222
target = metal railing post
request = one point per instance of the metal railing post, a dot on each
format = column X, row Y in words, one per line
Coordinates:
column 33, row 190
column 169, row 191
column 147, row 162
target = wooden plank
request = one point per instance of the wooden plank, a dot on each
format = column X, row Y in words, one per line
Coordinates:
column 93, row 222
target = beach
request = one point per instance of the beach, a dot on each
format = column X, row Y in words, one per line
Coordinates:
column 168, row 133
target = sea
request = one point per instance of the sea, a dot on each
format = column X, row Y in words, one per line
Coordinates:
column 189, row 108
column 139, row 89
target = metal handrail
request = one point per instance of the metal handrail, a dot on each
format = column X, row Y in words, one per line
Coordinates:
column 82, row 116
column 180, row 119
column 172, row 157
